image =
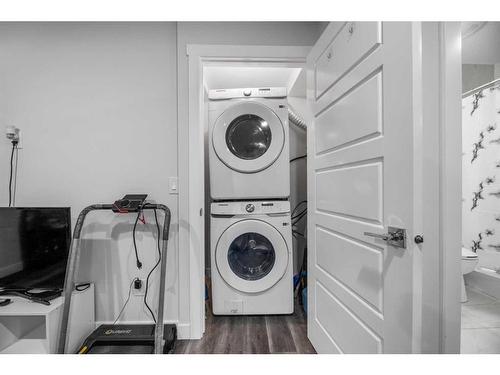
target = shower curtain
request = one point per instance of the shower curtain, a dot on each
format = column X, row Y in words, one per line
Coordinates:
column 481, row 174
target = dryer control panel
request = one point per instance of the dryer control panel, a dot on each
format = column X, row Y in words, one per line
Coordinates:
column 250, row 208
column 259, row 92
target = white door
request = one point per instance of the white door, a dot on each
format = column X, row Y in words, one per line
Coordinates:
column 360, row 179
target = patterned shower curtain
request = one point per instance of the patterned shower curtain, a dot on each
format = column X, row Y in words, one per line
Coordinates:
column 481, row 175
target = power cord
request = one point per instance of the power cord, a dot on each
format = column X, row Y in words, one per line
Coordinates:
column 297, row 206
column 298, row 157
column 138, row 262
column 152, row 269
column 14, row 147
column 126, row 302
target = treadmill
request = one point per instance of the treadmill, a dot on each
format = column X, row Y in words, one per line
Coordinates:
column 156, row 338
column 127, row 339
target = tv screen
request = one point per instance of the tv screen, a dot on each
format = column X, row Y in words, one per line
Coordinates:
column 34, row 246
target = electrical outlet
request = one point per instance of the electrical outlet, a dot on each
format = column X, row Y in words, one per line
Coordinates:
column 138, row 290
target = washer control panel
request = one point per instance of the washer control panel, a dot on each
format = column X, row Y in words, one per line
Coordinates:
column 260, row 92
column 250, row 208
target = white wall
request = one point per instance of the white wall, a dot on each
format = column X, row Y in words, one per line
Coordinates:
column 97, row 106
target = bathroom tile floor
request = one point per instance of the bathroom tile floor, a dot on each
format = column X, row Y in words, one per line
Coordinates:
column 480, row 323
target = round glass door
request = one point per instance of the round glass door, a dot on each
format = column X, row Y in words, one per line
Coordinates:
column 248, row 137
column 251, row 256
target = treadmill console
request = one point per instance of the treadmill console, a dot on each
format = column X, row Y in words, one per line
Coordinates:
column 129, row 203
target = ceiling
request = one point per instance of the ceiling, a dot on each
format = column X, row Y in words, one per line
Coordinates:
column 231, row 77
column 481, row 42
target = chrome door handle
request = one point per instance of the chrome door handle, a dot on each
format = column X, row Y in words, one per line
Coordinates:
column 384, row 237
column 395, row 237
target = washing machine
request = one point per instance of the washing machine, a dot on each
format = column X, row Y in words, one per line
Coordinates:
column 248, row 144
column 251, row 258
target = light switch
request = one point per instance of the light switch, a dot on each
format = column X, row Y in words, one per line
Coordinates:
column 173, row 184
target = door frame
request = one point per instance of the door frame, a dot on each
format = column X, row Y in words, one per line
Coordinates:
column 442, row 174
column 191, row 160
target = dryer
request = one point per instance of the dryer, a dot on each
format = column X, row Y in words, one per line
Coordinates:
column 251, row 258
column 248, row 144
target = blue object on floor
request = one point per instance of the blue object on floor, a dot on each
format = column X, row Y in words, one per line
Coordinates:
column 304, row 299
column 296, row 280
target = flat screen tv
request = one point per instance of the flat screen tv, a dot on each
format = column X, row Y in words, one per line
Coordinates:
column 34, row 246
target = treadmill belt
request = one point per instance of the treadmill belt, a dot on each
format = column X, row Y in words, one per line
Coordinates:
column 121, row 349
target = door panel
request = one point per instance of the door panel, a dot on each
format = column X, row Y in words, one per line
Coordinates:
column 355, row 107
column 356, row 265
column 358, row 338
column 360, row 179
column 357, row 190
column 353, row 41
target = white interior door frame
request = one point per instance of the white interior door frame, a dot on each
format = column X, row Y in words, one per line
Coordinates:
column 442, row 176
column 191, row 168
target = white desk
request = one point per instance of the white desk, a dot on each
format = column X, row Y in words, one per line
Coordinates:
column 30, row 327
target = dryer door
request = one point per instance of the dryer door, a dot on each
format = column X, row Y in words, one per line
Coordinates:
column 248, row 137
column 251, row 256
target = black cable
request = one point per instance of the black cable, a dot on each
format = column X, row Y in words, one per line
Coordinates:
column 152, row 269
column 126, row 302
column 298, row 157
column 299, row 214
column 138, row 262
column 298, row 205
column 82, row 287
column 299, row 217
column 14, row 145
column 298, row 233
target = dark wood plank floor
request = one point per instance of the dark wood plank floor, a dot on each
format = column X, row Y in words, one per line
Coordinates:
column 257, row 334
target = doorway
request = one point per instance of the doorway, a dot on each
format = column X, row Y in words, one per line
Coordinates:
column 228, row 67
column 480, row 328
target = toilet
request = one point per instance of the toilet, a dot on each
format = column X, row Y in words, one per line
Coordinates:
column 469, row 263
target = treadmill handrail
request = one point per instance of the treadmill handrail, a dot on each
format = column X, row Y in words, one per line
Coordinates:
column 72, row 267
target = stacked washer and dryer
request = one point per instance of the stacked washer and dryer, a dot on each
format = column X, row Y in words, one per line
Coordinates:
column 251, row 235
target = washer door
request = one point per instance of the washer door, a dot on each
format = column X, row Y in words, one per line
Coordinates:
column 248, row 137
column 251, row 256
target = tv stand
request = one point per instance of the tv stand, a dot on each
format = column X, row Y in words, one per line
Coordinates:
column 27, row 327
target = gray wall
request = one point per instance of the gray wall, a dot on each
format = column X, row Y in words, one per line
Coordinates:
column 481, row 56
column 97, row 105
column 475, row 75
